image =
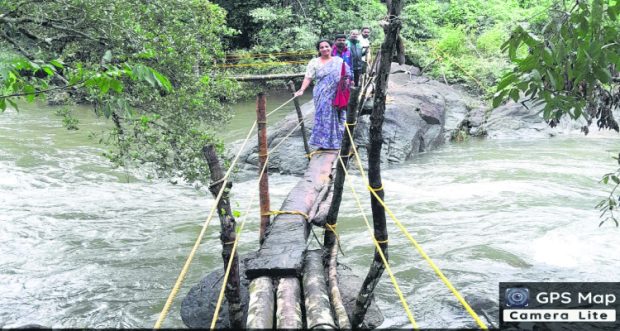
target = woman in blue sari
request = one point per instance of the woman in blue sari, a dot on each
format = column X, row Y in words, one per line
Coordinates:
column 325, row 70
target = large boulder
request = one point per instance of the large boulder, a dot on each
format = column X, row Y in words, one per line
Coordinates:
column 517, row 120
column 420, row 114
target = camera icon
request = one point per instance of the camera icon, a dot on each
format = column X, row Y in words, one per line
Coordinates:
column 517, row 297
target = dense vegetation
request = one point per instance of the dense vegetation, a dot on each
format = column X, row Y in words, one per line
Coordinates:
column 152, row 72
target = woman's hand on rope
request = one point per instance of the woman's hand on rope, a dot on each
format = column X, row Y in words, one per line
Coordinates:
column 298, row 93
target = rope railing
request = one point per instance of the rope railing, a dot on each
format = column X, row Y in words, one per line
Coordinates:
column 379, row 250
column 435, row 268
column 185, row 269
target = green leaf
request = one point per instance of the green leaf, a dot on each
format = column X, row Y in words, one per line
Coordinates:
column 2, row 104
column 499, row 97
column 116, row 85
column 162, row 80
column 551, row 78
column 514, row 95
column 48, row 70
column 506, row 80
column 615, row 179
column 57, row 63
column 602, row 74
column 30, row 92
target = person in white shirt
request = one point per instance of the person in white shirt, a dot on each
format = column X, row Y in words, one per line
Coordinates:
column 364, row 40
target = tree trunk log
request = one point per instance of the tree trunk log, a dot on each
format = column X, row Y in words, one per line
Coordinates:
column 374, row 163
column 227, row 236
column 263, row 183
column 318, row 309
column 341, row 312
column 261, row 304
column 288, row 313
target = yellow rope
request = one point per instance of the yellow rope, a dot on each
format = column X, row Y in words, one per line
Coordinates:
column 417, row 246
column 261, row 64
column 284, row 212
column 380, row 188
column 185, row 269
column 380, row 251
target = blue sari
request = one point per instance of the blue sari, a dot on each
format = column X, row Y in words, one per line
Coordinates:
column 328, row 122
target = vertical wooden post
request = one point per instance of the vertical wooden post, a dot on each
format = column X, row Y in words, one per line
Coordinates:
column 365, row 295
column 300, row 117
column 263, row 183
column 227, row 236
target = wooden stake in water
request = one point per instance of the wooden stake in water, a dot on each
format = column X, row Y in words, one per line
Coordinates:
column 263, row 183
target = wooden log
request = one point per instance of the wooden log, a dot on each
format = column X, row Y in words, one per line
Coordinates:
column 318, row 309
column 323, row 194
column 227, row 236
column 261, row 304
column 268, row 77
column 374, row 164
column 288, row 313
column 334, row 290
column 320, row 216
column 282, row 252
column 300, row 117
column 263, row 183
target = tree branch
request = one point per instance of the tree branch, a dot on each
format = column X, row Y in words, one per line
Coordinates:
column 17, row 47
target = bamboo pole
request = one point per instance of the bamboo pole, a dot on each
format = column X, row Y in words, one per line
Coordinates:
column 268, row 77
column 228, row 236
column 300, row 117
column 392, row 30
column 261, row 304
column 263, row 183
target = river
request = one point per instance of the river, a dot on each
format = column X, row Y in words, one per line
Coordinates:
column 83, row 245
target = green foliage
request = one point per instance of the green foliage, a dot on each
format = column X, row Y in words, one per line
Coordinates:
column 147, row 65
column 568, row 65
column 459, row 41
column 609, row 206
column 489, row 41
column 452, row 41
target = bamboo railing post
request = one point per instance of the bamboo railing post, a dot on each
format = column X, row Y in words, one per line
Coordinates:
column 263, row 183
column 227, row 236
column 392, row 30
column 300, row 117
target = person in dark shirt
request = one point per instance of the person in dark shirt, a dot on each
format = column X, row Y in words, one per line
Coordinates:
column 355, row 48
column 340, row 48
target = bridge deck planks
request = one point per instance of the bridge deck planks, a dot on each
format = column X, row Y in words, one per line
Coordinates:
column 283, row 251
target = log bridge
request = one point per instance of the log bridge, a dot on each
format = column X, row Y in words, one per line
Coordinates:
column 283, row 284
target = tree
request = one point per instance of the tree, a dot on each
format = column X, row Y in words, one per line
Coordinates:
column 148, row 65
column 571, row 67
